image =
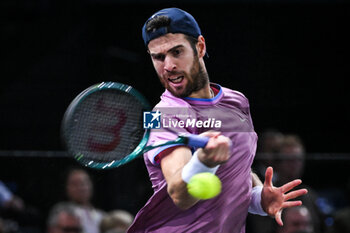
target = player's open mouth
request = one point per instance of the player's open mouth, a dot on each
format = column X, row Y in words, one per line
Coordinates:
column 176, row 80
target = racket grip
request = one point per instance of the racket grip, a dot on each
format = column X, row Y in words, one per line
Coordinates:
column 197, row 141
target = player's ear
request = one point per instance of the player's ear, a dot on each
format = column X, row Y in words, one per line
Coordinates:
column 201, row 47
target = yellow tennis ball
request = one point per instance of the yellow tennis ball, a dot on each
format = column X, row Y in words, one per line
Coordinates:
column 204, row 186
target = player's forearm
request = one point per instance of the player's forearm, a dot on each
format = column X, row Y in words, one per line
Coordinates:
column 180, row 166
column 177, row 190
column 172, row 166
column 255, row 179
column 255, row 206
column 183, row 176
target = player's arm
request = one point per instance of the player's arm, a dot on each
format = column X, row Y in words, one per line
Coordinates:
column 172, row 165
column 216, row 152
column 255, row 206
column 255, row 179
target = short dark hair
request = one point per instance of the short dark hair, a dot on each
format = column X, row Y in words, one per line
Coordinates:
column 157, row 22
column 164, row 21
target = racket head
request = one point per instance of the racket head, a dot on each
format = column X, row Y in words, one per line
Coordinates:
column 103, row 126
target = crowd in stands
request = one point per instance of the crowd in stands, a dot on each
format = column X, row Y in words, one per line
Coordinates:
column 75, row 214
column 286, row 153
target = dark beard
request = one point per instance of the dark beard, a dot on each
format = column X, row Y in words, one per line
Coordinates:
column 199, row 79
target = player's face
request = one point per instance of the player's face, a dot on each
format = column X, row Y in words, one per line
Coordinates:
column 178, row 68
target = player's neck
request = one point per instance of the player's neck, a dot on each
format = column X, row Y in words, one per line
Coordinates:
column 204, row 93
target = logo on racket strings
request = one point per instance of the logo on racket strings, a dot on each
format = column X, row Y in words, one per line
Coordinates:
column 151, row 120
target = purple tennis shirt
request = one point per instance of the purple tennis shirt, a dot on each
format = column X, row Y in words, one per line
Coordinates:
column 228, row 112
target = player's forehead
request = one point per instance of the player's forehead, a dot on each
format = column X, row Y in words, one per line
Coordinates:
column 163, row 43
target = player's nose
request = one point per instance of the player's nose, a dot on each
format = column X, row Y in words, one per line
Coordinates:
column 169, row 64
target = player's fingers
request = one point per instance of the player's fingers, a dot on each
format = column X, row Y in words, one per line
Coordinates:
column 225, row 141
column 212, row 144
column 216, row 144
column 220, row 154
column 210, row 133
column 279, row 218
column 268, row 176
column 289, row 204
column 223, row 149
column 295, row 194
column 289, row 186
column 224, row 153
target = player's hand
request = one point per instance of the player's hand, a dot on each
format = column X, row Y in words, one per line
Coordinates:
column 275, row 199
column 217, row 151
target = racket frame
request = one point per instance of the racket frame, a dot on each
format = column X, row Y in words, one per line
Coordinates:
column 68, row 116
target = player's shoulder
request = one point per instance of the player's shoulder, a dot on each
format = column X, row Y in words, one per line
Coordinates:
column 168, row 100
column 233, row 93
column 235, row 96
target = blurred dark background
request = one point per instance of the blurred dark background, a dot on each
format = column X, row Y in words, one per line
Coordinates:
column 290, row 58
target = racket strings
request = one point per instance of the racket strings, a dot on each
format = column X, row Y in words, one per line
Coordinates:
column 106, row 126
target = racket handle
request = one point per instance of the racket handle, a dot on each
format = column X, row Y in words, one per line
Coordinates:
column 197, row 141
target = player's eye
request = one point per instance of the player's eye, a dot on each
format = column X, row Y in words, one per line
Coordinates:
column 158, row 57
column 176, row 52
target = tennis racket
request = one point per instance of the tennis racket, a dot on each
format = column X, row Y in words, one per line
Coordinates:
column 103, row 127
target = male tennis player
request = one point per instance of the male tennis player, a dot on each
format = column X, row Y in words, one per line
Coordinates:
column 177, row 48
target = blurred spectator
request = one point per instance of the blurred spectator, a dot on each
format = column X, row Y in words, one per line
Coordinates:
column 8, row 201
column 341, row 221
column 2, row 230
column 117, row 221
column 296, row 220
column 63, row 218
column 18, row 216
column 342, row 217
column 79, row 191
column 10, row 226
column 2, row 226
column 289, row 165
column 269, row 145
column 270, row 141
column 291, row 159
